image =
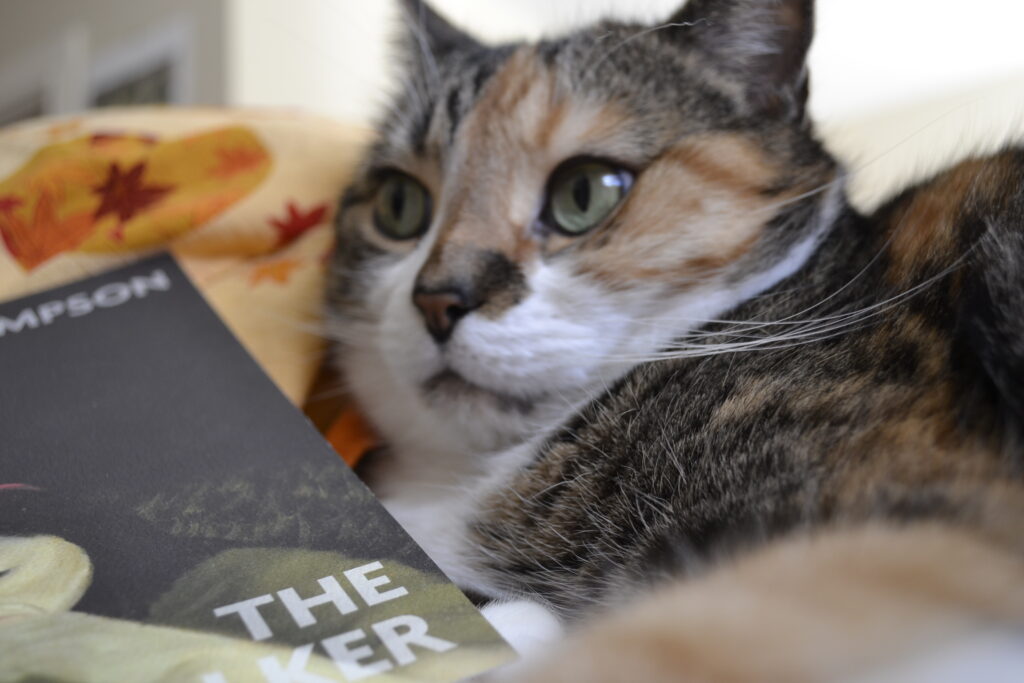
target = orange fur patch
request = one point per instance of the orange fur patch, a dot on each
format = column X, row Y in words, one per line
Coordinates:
column 712, row 216
column 520, row 130
column 805, row 610
column 924, row 229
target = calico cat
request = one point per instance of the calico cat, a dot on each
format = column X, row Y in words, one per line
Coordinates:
column 639, row 362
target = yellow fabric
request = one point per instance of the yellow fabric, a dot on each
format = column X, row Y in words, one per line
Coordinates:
column 244, row 199
column 40, row 639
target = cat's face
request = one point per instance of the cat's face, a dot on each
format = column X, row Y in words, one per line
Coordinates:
column 534, row 220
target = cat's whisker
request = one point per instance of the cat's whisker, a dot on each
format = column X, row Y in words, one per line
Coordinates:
column 811, row 333
column 312, row 328
column 339, row 391
column 636, row 36
column 794, row 319
column 349, row 334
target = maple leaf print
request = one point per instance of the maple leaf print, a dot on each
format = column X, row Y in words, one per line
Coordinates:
column 35, row 238
column 9, row 203
column 297, row 222
column 278, row 271
column 233, row 161
column 125, row 194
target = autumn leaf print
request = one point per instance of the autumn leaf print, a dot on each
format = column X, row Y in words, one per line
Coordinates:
column 297, row 222
column 125, row 194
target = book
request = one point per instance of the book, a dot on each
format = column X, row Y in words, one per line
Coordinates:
column 167, row 514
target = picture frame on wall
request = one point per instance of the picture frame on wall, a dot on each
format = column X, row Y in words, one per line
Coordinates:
column 28, row 106
column 65, row 74
column 153, row 68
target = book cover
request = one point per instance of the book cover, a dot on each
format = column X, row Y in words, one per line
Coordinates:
column 166, row 514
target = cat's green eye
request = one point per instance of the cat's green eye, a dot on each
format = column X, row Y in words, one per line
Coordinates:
column 402, row 208
column 583, row 194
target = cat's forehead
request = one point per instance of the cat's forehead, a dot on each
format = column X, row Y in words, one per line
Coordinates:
column 649, row 88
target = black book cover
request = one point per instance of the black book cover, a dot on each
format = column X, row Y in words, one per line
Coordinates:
column 166, row 514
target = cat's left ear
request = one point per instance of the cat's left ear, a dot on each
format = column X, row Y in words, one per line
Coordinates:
column 762, row 43
column 431, row 37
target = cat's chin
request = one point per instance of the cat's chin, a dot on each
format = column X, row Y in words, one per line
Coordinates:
column 491, row 419
column 439, row 414
column 448, row 387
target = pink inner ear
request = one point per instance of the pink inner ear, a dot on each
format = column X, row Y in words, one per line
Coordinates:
column 18, row 487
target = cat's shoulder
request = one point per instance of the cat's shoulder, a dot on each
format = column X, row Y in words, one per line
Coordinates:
column 958, row 212
column 992, row 181
column 965, row 225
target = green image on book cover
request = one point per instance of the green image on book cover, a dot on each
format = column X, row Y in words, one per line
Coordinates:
column 166, row 514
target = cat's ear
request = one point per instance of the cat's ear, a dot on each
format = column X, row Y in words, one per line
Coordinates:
column 429, row 36
column 763, row 43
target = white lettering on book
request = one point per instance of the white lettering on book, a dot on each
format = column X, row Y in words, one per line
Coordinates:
column 249, row 611
column 109, row 295
column 26, row 318
column 49, row 311
column 413, row 632
column 356, row 654
column 349, row 659
column 367, row 588
column 300, row 609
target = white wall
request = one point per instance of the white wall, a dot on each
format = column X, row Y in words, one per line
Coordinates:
column 333, row 55
column 902, row 88
column 326, row 55
column 870, row 54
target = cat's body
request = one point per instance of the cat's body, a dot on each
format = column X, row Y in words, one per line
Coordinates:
column 866, row 402
column 731, row 373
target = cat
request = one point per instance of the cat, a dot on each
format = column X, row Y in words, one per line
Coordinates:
column 641, row 366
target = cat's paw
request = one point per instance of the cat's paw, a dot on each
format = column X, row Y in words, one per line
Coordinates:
column 527, row 626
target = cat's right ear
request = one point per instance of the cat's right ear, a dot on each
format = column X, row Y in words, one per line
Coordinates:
column 762, row 44
column 430, row 38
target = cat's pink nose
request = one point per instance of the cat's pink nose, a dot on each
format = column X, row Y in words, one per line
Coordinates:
column 441, row 311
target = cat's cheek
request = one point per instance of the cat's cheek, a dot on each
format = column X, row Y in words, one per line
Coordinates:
column 556, row 340
column 409, row 353
column 388, row 404
column 526, row 360
column 402, row 339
